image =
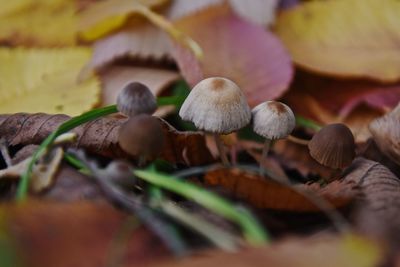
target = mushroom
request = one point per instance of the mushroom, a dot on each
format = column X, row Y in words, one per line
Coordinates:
column 333, row 146
column 272, row 120
column 218, row 106
column 136, row 98
column 141, row 136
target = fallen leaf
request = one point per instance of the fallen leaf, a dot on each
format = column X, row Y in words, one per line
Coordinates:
column 77, row 234
column 44, row 80
column 245, row 53
column 297, row 157
column 144, row 42
column 101, row 137
column 358, row 121
column 38, row 23
column 379, row 199
column 328, row 251
column 103, row 17
column 348, row 38
column 268, row 194
column 341, row 97
column 385, row 131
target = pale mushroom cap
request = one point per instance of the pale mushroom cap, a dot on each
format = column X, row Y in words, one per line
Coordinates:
column 136, row 98
column 273, row 120
column 216, row 105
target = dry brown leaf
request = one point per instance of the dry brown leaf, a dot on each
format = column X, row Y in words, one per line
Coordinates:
column 296, row 156
column 101, row 136
column 79, row 234
column 327, row 251
column 341, row 97
column 268, row 194
column 243, row 52
column 380, row 201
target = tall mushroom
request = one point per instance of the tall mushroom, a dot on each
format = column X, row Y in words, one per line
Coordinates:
column 216, row 105
column 136, row 98
column 272, row 120
column 333, row 146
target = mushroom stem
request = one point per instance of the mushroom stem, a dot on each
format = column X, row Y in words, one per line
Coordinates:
column 298, row 140
column 267, row 145
column 221, row 150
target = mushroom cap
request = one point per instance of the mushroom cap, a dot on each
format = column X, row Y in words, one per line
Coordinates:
column 136, row 98
column 333, row 146
column 273, row 120
column 216, row 105
column 141, row 136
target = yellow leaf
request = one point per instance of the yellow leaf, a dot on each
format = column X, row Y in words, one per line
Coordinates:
column 38, row 23
column 106, row 16
column 352, row 38
column 45, row 80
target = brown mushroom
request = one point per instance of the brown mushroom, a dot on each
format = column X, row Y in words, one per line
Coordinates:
column 333, row 146
column 141, row 136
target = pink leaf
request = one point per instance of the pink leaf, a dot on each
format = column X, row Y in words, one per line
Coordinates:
column 245, row 53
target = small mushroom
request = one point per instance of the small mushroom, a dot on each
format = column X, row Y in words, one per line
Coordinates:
column 141, row 136
column 136, row 98
column 272, row 120
column 216, row 105
column 333, row 146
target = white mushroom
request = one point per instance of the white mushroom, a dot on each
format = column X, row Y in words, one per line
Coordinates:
column 216, row 105
column 272, row 120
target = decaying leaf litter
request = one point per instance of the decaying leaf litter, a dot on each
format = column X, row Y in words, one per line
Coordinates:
column 157, row 133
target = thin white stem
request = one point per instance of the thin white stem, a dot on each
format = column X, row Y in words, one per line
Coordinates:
column 221, row 150
column 298, row 140
column 267, row 145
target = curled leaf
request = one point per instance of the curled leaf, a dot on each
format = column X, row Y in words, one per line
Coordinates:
column 101, row 136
